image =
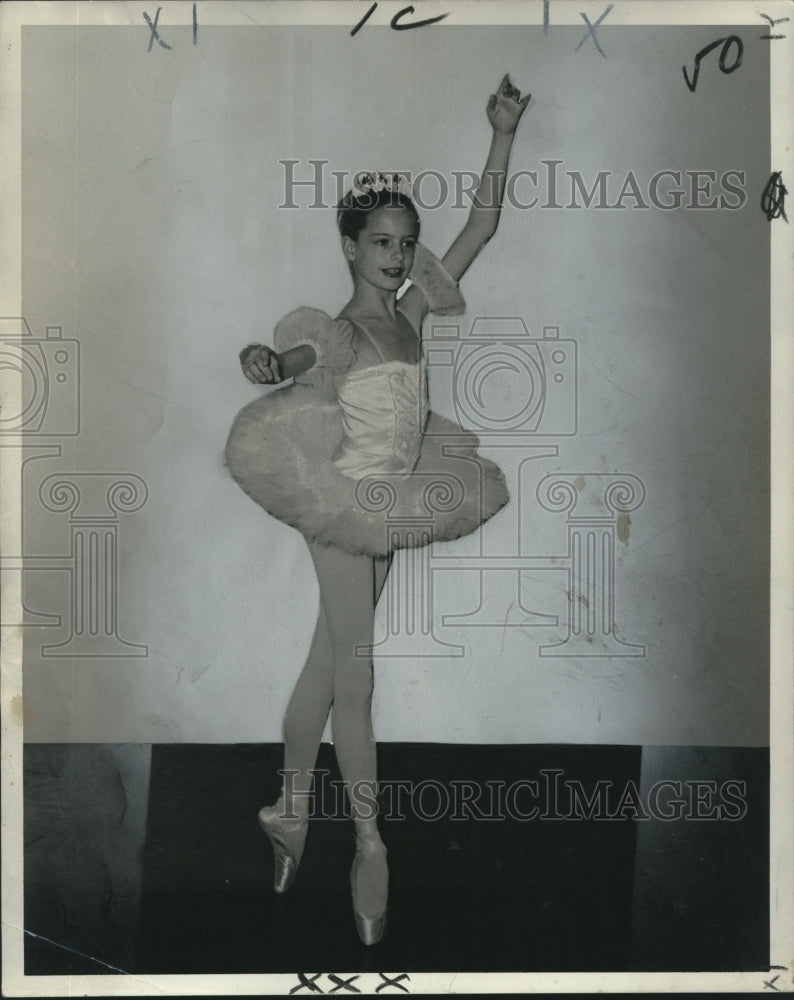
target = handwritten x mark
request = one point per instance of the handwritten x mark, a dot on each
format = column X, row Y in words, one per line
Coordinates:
column 395, row 981
column 154, row 36
column 307, row 983
column 343, row 984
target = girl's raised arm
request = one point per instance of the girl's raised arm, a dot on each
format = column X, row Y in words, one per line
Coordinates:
column 504, row 112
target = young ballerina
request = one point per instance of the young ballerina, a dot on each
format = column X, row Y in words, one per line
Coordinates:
column 322, row 455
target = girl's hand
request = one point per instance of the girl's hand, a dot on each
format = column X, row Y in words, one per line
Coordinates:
column 260, row 364
column 506, row 107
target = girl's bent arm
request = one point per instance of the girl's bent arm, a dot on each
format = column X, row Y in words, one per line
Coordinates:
column 504, row 112
column 297, row 360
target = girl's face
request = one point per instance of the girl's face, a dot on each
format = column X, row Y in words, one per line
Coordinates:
column 383, row 254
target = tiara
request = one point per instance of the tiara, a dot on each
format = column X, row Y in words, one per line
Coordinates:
column 376, row 181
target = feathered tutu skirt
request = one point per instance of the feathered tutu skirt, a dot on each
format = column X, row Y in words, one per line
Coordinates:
column 280, row 452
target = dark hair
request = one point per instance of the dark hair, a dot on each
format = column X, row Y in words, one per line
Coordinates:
column 353, row 209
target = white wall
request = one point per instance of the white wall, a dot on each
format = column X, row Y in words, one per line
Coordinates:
column 152, row 233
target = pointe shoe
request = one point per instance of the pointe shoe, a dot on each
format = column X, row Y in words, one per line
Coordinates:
column 370, row 926
column 287, row 835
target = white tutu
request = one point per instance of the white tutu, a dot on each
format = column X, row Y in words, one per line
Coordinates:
column 279, row 451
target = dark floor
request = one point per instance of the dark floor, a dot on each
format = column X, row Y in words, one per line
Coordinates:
column 466, row 894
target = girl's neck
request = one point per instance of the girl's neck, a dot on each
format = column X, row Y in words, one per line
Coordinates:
column 370, row 301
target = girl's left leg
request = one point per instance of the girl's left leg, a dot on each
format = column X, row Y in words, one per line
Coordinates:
column 309, row 706
column 347, row 594
column 347, row 591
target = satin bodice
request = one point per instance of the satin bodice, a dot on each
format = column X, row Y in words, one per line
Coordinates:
column 384, row 411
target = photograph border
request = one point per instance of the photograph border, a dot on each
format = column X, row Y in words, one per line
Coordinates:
column 13, row 16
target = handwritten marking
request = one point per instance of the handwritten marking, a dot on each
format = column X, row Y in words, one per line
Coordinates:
column 416, row 24
column 772, row 23
column 724, row 68
column 770, row 984
column 773, row 200
column 591, row 30
column 545, row 17
column 395, row 981
column 343, row 984
column 155, row 35
column 307, row 983
column 363, row 20
column 395, row 21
